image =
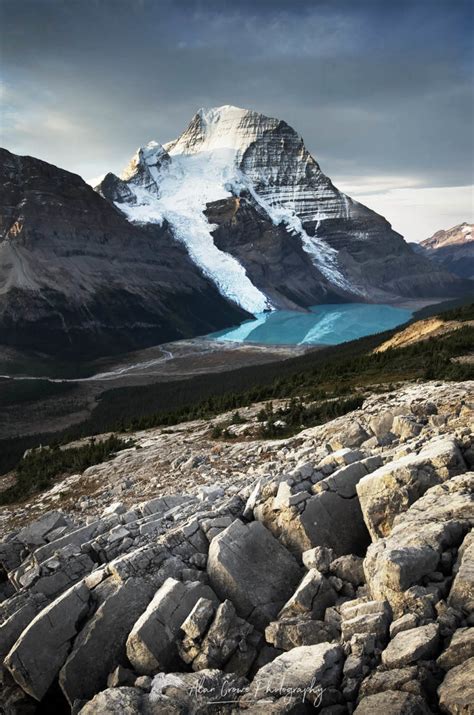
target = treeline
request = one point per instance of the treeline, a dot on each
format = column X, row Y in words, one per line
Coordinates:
column 38, row 469
column 317, row 375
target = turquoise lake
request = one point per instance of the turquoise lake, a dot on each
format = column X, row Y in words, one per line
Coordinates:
column 322, row 325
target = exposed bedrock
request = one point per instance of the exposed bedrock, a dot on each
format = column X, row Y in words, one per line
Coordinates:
column 330, row 570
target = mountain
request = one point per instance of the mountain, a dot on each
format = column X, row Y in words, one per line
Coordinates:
column 240, row 190
column 453, row 249
column 77, row 277
column 232, row 218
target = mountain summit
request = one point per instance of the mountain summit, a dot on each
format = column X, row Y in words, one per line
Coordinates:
column 262, row 221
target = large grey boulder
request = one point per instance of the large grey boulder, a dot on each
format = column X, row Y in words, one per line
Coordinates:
column 36, row 533
column 208, row 691
column 410, row 646
column 35, row 659
column 247, row 565
column 303, row 526
column 12, row 627
column 288, row 633
column 460, row 649
column 391, row 489
column 307, row 671
column 151, row 645
column 227, row 642
column 456, row 692
column 391, row 702
column 115, row 701
column 436, row 522
column 100, row 646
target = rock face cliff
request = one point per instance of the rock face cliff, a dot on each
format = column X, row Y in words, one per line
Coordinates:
column 331, row 570
column 453, row 249
column 76, row 276
column 260, row 218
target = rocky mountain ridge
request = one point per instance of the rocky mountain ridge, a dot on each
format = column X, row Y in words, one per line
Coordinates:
column 331, row 569
column 75, row 276
column 452, row 249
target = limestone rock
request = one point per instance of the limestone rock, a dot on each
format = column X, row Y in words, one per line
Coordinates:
column 197, row 622
column 85, row 671
column 288, row 633
column 391, row 702
column 320, row 558
column 391, row 489
column 305, row 669
column 35, row 659
column 313, row 595
column 436, row 522
column 250, row 567
column 202, row 692
column 462, row 590
column 411, row 646
column 349, row 568
column 456, row 692
column 151, row 645
column 115, row 701
column 460, row 649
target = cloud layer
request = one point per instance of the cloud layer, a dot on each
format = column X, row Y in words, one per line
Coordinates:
column 381, row 92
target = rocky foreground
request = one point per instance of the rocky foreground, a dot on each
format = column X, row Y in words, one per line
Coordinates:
column 331, row 571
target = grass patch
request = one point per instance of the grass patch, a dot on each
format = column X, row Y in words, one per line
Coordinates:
column 38, row 469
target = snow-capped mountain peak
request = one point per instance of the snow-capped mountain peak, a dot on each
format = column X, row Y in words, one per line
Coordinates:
column 229, row 152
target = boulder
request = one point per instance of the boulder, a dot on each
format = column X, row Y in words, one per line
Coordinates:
column 151, row 645
column 196, row 624
column 11, row 628
column 349, row 568
column 115, row 701
column 250, row 567
column 36, row 657
column 405, row 427
column 291, row 633
column 413, row 645
column 391, row 489
column 320, row 558
column 303, row 672
column 397, row 679
column 433, row 524
column 456, row 692
column 313, row 595
column 207, row 691
column 404, row 623
column 226, row 634
column 311, row 522
column 36, row 533
column 462, row 590
column 84, row 672
column 460, row 649
column 392, row 702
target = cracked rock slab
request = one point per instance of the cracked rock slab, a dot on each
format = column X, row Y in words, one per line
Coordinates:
column 456, row 692
column 247, row 565
column 413, row 645
column 391, row 489
column 35, row 659
column 151, row 645
column 100, row 646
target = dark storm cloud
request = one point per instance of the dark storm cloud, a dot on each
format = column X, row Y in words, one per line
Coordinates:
column 375, row 88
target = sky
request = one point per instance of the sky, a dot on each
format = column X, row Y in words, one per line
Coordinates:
column 381, row 91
